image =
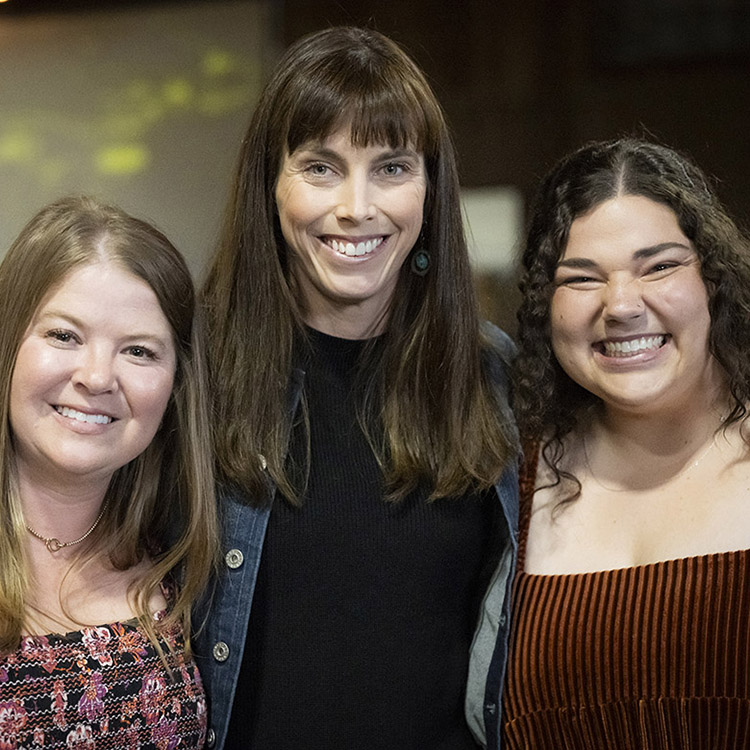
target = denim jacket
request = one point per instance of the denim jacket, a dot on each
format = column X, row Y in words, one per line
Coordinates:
column 220, row 644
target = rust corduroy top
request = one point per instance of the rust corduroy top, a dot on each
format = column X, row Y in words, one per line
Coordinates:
column 654, row 657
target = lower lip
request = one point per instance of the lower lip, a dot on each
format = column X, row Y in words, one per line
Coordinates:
column 633, row 360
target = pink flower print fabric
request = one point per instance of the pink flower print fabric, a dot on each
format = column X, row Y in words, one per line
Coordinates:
column 101, row 688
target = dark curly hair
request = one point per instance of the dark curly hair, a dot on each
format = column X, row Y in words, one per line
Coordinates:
column 548, row 403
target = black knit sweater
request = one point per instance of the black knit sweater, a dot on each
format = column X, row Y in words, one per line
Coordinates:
column 363, row 611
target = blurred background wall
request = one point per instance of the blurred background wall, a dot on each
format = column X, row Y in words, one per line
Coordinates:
column 144, row 103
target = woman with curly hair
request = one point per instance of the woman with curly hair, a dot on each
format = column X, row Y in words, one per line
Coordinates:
column 631, row 610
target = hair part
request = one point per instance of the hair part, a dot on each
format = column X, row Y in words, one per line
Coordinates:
column 161, row 504
column 439, row 417
column 547, row 401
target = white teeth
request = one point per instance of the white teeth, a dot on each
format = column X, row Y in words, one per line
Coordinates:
column 632, row 347
column 80, row 416
column 350, row 249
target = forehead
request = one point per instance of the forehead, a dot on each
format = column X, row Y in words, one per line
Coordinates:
column 103, row 288
column 624, row 224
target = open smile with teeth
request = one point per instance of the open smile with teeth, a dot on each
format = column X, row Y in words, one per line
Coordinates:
column 633, row 346
column 342, row 247
column 80, row 416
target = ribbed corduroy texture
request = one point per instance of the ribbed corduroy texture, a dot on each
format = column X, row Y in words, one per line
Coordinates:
column 656, row 656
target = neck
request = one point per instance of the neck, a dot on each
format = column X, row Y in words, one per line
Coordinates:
column 345, row 325
column 640, row 452
column 663, row 431
column 65, row 513
column 350, row 320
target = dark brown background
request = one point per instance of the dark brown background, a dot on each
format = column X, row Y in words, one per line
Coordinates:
column 525, row 81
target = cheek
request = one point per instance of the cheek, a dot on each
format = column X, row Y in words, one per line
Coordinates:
column 562, row 351
column 17, row 397
column 296, row 204
column 685, row 306
column 151, row 395
column 411, row 208
column 34, row 372
column 561, row 324
column 284, row 217
column 295, row 220
column 568, row 337
column 697, row 300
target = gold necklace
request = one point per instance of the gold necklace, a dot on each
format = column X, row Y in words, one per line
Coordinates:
column 684, row 470
column 53, row 544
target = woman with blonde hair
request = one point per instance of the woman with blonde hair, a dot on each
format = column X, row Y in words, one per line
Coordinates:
column 105, row 484
column 363, row 434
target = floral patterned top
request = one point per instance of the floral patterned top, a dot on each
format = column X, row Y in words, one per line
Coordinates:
column 102, row 687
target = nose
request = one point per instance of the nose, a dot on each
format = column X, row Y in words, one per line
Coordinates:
column 95, row 371
column 355, row 199
column 623, row 299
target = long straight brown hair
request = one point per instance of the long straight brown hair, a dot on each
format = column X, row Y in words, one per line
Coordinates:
column 428, row 394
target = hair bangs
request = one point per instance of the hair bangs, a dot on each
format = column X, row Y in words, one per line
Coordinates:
column 375, row 113
column 391, row 116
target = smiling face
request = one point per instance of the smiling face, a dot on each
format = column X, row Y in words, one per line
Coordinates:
column 629, row 317
column 350, row 216
column 92, row 378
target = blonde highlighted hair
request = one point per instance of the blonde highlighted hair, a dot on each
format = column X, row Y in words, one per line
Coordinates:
column 161, row 504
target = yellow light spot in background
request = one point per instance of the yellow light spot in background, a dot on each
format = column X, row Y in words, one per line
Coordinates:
column 122, row 160
column 216, row 62
column 17, row 147
column 178, row 92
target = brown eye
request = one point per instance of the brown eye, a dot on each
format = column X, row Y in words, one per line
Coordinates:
column 64, row 337
column 662, row 267
column 141, row 352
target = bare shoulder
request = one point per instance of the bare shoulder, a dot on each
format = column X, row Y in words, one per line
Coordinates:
column 554, row 514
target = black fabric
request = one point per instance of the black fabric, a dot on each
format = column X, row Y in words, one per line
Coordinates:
column 363, row 611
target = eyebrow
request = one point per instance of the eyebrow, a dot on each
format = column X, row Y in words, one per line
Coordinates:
column 74, row 321
column 42, row 316
column 641, row 254
column 327, row 153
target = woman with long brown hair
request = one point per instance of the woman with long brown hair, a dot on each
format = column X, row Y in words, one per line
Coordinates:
column 363, row 435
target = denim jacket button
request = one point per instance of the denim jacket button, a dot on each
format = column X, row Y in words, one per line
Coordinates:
column 503, row 618
column 221, row 651
column 263, row 462
column 490, row 708
column 234, row 558
column 210, row 738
